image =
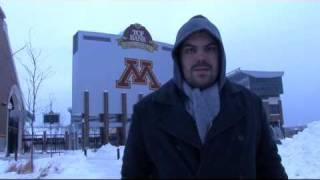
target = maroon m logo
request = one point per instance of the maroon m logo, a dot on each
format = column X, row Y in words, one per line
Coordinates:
column 138, row 77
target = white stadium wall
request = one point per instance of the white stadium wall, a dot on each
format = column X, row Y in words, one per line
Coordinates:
column 99, row 63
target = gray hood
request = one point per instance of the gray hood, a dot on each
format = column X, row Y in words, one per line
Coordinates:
column 195, row 24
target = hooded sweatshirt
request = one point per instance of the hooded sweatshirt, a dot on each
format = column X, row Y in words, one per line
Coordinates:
column 195, row 24
column 202, row 105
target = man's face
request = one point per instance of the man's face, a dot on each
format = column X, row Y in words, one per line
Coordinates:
column 199, row 60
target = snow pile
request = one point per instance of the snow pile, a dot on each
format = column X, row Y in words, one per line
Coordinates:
column 101, row 164
column 301, row 153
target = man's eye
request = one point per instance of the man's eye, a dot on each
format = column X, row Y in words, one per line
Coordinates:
column 189, row 50
column 212, row 48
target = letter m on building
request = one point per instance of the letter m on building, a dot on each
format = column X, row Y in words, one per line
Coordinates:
column 138, row 72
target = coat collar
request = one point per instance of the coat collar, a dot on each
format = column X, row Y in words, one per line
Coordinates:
column 232, row 110
column 170, row 94
column 176, row 121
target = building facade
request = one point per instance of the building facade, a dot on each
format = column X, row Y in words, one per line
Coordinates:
column 118, row 67
column 12, row 111
column 268, row 86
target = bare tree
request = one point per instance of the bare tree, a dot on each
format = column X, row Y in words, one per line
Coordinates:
column 17, row 51
column 36, row 75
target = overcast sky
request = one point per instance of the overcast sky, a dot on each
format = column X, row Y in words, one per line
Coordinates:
column 278, row 35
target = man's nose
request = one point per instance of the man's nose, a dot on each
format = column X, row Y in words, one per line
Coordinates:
column 201, row 56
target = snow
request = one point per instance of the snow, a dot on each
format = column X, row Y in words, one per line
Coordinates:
column 301, row 153
column 300, row 157
column 71, row 165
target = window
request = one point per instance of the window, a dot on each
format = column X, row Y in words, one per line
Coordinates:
column 274, row 109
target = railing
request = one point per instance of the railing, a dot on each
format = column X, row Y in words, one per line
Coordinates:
column 41, row 144
column 57, row 143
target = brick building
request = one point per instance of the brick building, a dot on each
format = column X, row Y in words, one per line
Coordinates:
column 12, row 111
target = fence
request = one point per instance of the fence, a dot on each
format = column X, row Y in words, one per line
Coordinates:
column 57, row 142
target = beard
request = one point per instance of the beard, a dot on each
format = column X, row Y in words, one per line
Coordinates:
column 200, row 80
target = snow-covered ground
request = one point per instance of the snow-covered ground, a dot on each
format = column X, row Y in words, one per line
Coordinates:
column 102, row 164
column 300, row 157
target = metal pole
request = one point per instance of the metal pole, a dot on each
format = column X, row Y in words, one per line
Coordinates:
column 140, row 96
column 44, row 142
column 86, row 120
column 118, row 153
column 50, row 140
column 55, row 142
column 94, row 139
column 83, row 137
column 66, row 140
column 124, row 117
column 106, row 117
column 15, row 154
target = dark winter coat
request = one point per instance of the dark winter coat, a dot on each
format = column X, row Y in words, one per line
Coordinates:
column 163, row 141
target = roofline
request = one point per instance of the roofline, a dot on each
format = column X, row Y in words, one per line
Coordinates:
column 231, row 73
column 2, row 15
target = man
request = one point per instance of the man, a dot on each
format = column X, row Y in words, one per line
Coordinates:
column 199, row 124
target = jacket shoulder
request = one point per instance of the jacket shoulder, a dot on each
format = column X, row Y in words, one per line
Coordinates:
column 234, row 88
column 163, row 95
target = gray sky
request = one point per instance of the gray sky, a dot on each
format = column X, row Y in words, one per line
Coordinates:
column 270, row 35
